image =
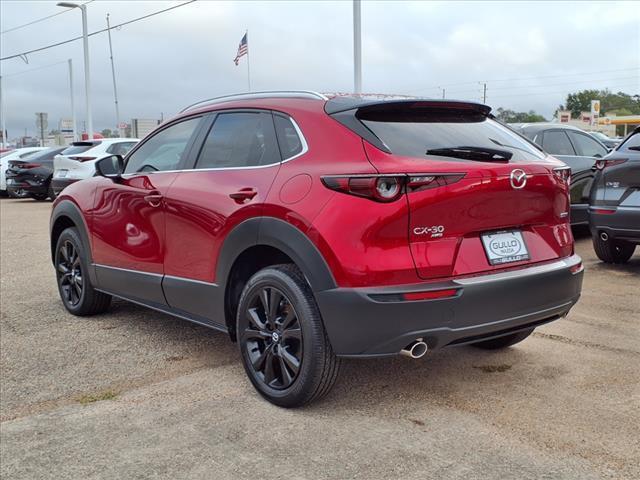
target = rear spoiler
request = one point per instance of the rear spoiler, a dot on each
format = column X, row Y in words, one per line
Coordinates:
column 349, row 109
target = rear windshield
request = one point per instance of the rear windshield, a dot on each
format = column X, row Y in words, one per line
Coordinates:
column 79, row 147
column 412, row 134
column 632, row 141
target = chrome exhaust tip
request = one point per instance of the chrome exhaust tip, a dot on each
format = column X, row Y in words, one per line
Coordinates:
column 416, row 349
column 604, row 236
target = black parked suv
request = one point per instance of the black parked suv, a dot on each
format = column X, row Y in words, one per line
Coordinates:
column 31, row 176
column 614, row 212
column 577, row 149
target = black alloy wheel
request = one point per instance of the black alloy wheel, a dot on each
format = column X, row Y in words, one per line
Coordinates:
column 283, row 344
column 273, row 338
column 70, row 277
column 74, row 284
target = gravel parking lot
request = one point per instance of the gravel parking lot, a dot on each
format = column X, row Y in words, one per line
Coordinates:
column 137, row 394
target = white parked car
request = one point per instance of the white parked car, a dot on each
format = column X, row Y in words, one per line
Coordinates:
column 17, row 154
column 79, row 160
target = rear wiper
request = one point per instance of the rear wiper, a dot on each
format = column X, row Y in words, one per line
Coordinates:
column 482, row 154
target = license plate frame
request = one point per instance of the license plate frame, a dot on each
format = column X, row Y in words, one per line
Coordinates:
column 505, row 246
column 62, row 173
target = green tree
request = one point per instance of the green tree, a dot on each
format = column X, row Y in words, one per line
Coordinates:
column 581, row 102
column 511, row 116
column 106, row 133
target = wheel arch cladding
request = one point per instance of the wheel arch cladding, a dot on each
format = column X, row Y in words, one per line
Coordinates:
column 261, row 242
column 65, row 215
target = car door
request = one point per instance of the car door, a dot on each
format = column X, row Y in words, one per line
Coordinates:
column 128, row 220
column 228, row 183
column 556, row 142
column 588, row 151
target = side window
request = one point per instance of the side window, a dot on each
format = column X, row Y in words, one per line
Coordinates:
column 587, row 146
column 556, row 142
column 288, row 138
column 631, row 141
column 121, row 148
column 164, row 150
column 243, row 139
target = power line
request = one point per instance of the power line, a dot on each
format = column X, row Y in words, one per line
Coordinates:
column 96, row 32
column 38, row 20
column 33, row 69
column 441, row 85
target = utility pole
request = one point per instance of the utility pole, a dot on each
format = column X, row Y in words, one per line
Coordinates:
column 87, row 77
column 357, row 48
column 443, row 92
column 73, row 105
column 3, row 124
column 113, row 75
column 484, row 93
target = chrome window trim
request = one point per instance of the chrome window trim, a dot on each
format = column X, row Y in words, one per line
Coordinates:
column 303, row 141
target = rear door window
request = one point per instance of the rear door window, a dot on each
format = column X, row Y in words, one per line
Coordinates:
column 587, row 146
column 412, row 134
column 240, row 139
column 556, row 142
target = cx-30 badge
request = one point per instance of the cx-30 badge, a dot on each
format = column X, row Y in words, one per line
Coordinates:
column 518, row 179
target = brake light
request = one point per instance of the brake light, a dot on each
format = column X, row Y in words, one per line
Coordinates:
column 82, row 159
column 28, row 165
column 602, row 164
column 563, row 174
column 387, row 188
column 603, row 211
column 381, row 188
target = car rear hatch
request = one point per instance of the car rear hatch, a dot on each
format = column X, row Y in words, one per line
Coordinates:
column 71, row 159
column 480, row 197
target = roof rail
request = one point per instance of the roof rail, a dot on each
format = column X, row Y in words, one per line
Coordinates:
column 250, row 95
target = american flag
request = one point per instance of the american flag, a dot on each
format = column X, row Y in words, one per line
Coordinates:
column 243, row 49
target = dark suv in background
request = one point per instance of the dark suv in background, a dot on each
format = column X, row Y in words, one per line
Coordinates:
column 577, row 149
column 614, row 213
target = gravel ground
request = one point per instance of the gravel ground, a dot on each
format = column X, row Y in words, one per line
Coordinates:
column 137, row 394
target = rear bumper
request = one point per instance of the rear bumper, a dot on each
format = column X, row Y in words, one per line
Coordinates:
column 59, row 184
column 484, row 307
column 27, row 184
column 624, row 224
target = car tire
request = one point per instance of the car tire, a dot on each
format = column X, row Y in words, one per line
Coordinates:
column 41, row 197
column 503, row 342
column 283, row 344
column 613, row 251
column 51, row 193
column 72, row 275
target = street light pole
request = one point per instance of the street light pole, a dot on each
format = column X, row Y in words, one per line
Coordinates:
column 113, row 75
column 357, row 48
column 87, row 75
column 73, row 105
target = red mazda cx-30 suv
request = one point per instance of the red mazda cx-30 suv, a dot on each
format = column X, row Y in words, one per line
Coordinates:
column 312, row 228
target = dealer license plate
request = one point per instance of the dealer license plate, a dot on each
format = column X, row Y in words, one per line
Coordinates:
column 505, row 247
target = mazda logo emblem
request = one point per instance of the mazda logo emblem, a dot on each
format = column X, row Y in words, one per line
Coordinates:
column 518, row 179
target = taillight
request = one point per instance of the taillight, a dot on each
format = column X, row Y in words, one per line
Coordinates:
column 563, row 174
column 381, row 188
column 28, row 165
column 387, row 188
column 82, row 159
column 610, row 162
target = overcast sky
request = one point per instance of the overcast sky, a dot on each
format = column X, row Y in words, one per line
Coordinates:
column 530, row 54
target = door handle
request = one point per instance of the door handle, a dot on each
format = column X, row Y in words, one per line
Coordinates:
column 154, row 199
column 243, row 194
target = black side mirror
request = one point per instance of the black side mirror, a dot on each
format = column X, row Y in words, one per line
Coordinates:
column 110, row 167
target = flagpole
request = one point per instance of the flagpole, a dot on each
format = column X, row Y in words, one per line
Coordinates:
column 248, row 68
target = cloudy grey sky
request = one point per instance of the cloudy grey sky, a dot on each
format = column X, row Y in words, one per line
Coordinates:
column 530, row 53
